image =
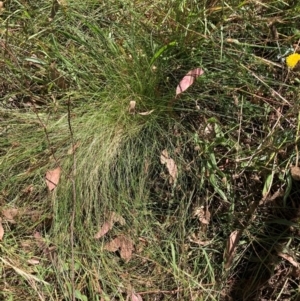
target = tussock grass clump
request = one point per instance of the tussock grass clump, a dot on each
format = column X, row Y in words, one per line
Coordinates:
column 69, row 73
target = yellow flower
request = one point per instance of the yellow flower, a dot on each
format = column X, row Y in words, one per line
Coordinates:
column 292, row 60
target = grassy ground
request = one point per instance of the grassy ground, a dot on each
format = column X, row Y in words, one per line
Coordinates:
column 225, row 227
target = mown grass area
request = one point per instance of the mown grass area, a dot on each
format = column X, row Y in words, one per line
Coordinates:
column 225, row 226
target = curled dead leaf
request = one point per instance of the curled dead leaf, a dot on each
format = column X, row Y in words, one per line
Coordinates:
column 52, row 178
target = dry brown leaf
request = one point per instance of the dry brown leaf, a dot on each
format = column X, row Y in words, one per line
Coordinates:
column 1, row 4
column 170, row 163
column 136, row 297
column 9, row 214
column 1, row 229
column 231, row 245
column 52, row 178
column 122, row 243
column 107, row 226
column 131, row 108
column 289, row 258
column 295, row 172
column 146, row 113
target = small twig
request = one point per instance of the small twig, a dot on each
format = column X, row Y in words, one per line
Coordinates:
column 74, row 202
